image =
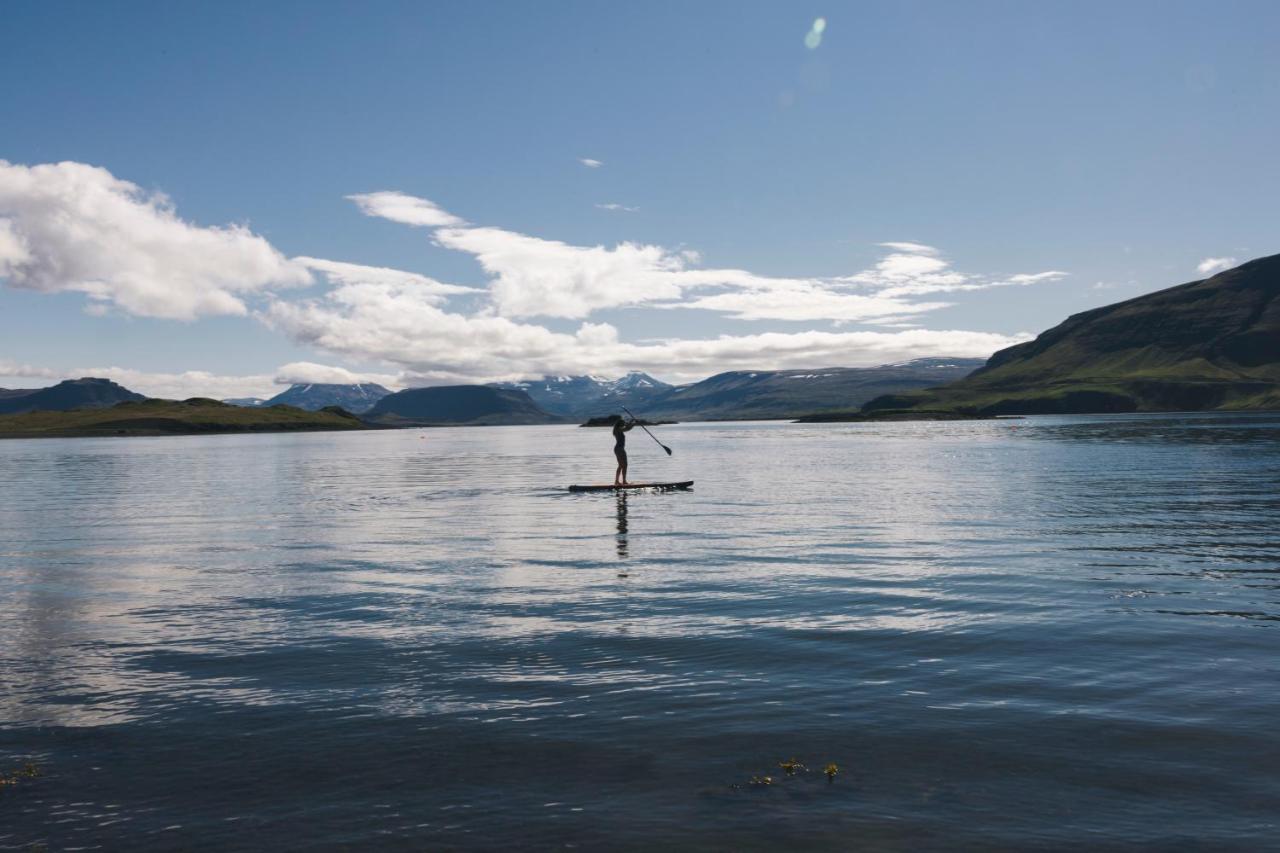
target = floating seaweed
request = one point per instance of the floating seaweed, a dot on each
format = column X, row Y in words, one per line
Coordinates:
column 13, row 777
column 791, row 766
column 831, row 770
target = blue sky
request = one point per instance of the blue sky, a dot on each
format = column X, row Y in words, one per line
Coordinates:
column 1028, row 161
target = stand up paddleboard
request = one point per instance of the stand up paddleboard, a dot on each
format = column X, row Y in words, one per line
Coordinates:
column 612, row 488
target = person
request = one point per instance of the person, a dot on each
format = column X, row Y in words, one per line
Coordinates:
column 620, row 429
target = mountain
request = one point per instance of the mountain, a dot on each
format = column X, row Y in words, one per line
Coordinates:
column 83, row 393
column 586, row 396
column 458, row 404
column 1209, row 344
column 792, row 393
column 354, row 398
column 172, row 417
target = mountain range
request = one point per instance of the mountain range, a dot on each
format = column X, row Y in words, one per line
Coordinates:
column 452, row 405
column 1207, row 344
column 791, row 393
column 584, row 396
column 739, row 394
column 355, row 398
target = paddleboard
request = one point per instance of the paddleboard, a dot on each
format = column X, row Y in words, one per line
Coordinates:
column 612, row 488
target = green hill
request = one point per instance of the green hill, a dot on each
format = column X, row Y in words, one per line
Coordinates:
column 1210, row 344
column 170, row 417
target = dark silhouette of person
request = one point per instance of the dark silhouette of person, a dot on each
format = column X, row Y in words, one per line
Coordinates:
column 620, row 429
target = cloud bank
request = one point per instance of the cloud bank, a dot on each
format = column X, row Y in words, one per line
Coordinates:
column 198, row 383
column 73, row 227
column 537, row 277
column 393, row 324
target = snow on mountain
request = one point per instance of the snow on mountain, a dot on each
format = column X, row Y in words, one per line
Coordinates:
column 589, row 395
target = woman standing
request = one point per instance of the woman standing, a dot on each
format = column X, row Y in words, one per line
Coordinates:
column 620, row 429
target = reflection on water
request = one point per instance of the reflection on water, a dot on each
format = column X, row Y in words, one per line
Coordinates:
column 622, row 524
column 1008, row 634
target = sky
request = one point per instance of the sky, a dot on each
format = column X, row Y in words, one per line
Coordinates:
column 221, row 199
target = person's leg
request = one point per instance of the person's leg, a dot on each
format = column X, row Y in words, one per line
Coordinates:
column 620, row 475
column 624, row 467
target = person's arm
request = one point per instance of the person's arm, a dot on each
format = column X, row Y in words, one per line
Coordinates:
column 629, row 425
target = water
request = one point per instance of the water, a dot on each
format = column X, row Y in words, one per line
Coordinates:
column 1017, row 634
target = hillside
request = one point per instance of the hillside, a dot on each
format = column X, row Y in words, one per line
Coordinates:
column 67, row 395
column 1209, row 344
column 356, row 398
column 171, row 417
column 453, row 405
column 792, row 393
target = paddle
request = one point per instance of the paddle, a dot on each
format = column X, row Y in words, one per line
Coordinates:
column 646, row 429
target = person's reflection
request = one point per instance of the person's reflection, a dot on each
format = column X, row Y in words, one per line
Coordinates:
column 622, row 524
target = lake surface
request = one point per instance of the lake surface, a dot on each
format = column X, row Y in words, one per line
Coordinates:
column 1045, row 633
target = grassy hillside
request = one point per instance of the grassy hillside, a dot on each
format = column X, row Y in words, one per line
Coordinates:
column 1211, row 344
column 171, row 417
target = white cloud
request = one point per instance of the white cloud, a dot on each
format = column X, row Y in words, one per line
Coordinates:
column 913, row 248
column 172, row 386
column 617, row 207
column 589, row 163
column 914, row 269
column 340, row 272
column 533, row 276
column 408, row 209
column 393, row 324
column 1034, row 278
column 308, row 373
column 73, row 227
column 808, row 301
column 12, row 369
column 687, row 360
column 196, row 383
column 1209, row 266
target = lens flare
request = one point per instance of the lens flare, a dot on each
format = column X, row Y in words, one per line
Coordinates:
column 814, row 36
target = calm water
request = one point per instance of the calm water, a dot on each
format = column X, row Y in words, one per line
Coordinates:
column 1014, row 634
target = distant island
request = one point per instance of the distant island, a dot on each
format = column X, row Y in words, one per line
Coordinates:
column 610, row 420
column 172, row 417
